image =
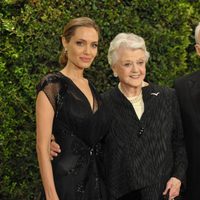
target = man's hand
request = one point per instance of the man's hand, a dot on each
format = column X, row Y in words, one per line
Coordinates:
column 54, row 148
column 173, row 187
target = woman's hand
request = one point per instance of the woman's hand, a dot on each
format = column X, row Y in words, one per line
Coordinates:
column 54, row 148
column 173, row 187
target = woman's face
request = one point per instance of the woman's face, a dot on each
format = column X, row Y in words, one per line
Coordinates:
column 82, row 47
column 130, row 67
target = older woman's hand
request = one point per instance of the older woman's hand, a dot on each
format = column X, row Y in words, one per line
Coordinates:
column 173, row 186
column 54, row 148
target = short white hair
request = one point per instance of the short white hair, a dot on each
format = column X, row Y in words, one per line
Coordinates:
column 197, row 32
column 126, row 40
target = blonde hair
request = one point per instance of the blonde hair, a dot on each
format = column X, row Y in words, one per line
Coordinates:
column 127, row 40
column 69, row 31
column 197, row 32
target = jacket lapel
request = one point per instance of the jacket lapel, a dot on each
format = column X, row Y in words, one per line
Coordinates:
column 150, row 96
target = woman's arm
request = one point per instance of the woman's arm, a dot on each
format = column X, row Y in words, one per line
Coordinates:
column 44, row 123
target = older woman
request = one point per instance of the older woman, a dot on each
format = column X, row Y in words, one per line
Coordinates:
column 145, row 156
column 145, row 151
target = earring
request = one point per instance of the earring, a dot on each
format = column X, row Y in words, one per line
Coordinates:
column 65, row 50
column 115, row 74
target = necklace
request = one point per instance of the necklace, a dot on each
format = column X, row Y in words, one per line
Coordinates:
column 135, row 99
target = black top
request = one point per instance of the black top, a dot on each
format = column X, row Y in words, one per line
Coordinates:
column 143, row 152
column 79, row 130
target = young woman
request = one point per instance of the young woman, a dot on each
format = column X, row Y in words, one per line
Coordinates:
column 69, row 107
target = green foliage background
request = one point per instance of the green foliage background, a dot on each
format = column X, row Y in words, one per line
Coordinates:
column 30, row 47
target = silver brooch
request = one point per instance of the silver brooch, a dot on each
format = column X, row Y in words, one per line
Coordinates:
column 155, row 93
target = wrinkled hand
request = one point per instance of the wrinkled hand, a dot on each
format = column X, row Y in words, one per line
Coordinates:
column 173, row 186
column 54, row 148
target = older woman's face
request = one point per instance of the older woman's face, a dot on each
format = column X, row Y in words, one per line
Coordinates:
column 130, row 67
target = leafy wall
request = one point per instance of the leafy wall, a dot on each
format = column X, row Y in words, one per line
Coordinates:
column 30, row 46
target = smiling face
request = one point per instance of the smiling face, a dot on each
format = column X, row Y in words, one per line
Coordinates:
column 130, row 67
column 82, row 47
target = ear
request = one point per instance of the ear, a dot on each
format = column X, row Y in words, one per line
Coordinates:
column 197, row 47
column 64, row 42
column 114, row 71
column 113, row 67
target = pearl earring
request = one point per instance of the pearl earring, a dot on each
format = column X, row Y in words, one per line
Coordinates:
column 115, row 74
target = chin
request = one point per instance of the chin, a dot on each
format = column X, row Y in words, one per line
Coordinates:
column 84, row 66
column 137, row 84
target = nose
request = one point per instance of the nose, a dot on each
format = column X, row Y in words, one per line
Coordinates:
column 87, row 49
column 134, row 67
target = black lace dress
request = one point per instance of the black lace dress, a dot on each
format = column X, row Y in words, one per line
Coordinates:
column 80, row 131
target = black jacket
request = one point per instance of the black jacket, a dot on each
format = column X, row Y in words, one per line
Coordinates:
column 188, row 92
column 146, row 151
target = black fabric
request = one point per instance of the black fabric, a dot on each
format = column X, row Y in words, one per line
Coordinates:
column 141, row 153
column 188, row 92
column 152, row 192
column 80, row 131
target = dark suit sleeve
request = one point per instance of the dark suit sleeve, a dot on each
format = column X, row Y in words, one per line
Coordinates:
column 179, row 151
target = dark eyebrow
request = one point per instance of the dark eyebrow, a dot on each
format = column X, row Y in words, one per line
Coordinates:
column 95, row 42
column 81, row 40
column 86, row 41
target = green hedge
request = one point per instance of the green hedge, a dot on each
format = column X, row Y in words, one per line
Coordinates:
column 29, row 48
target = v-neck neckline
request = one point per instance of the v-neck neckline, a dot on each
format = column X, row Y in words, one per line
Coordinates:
column 93, row 110
column 145, row 91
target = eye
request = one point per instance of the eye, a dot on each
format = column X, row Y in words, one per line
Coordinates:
column 140, row 63
column 80, row 43
column 128, row 64
column 95, row 45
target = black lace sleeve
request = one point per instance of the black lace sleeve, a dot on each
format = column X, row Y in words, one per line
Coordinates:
column 50, row 85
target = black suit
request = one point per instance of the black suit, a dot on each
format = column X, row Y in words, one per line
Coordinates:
column 143, row 154
column 188, row 92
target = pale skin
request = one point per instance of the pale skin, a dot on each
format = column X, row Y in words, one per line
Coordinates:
column 81, row 51
column 197, row 46
column 131, row 71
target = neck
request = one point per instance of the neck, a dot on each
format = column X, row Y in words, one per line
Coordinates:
column 73, row 72
column 130, row 91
